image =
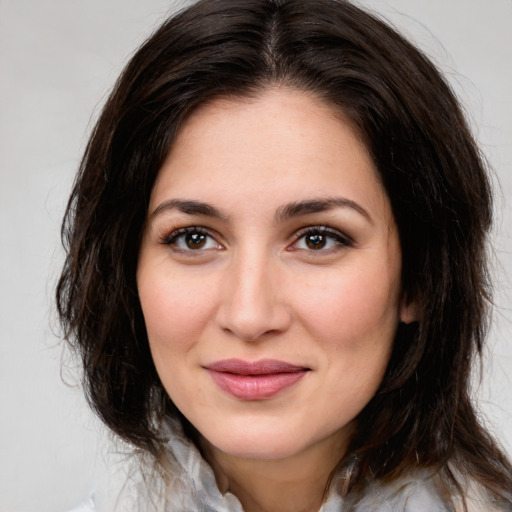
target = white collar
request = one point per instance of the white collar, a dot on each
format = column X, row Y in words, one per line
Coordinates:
column 196, row 488
column 191, row 487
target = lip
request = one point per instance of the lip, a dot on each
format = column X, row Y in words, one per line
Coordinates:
column 255, row 380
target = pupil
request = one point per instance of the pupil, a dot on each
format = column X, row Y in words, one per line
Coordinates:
column 195, row 240
column 316, row 241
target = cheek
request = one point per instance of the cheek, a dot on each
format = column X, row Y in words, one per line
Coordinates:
column 354, row 323
column 354, row 309
column 175, row 311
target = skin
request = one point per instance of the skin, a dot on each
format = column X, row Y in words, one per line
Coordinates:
column 256, row 290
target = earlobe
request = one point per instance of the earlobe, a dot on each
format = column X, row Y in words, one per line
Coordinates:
column 408, row 312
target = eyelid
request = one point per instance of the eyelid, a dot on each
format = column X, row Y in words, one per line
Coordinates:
column 342, row 238
column 170, row 238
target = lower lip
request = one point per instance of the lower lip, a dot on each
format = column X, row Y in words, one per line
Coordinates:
column 255, row 387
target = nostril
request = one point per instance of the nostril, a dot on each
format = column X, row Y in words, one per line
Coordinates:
column 255, row 328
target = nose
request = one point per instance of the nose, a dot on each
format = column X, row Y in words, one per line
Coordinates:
column 253, row 304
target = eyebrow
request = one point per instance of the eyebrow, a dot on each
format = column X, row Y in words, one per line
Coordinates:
column 310, row 206
column 189, row 207
column 286, row 212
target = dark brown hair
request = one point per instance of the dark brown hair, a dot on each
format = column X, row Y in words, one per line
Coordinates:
column 410, row 121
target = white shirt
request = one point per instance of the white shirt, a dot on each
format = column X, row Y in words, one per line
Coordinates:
column 193, row 488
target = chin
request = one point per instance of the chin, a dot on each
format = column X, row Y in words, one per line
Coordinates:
column 257, row 443
column 262, row 448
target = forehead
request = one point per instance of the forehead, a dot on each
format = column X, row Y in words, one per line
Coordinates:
column 282, row 144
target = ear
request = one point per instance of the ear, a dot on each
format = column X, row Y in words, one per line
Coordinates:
column 408, row 311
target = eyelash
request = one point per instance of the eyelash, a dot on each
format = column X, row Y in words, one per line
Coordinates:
column 173, row 237
column 325, row 231
column 341, row 240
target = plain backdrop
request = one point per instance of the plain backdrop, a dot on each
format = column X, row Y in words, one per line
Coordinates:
column 58, row 60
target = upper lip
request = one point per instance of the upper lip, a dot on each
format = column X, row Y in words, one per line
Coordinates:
column 261, row 367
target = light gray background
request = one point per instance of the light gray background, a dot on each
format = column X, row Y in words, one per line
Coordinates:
column 58, row 59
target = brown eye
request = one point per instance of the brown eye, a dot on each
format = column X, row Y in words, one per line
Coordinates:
column 191, row 239
column 195, row 240
column 315, row 241
column 320, row 239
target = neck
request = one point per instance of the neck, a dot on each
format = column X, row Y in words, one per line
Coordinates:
column 293, row 484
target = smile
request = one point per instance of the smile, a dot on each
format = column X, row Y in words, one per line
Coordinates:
column 255, row 380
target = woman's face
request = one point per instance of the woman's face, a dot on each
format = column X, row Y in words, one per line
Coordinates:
column 269, row 275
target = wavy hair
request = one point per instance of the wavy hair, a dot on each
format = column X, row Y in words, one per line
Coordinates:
column 431, row 168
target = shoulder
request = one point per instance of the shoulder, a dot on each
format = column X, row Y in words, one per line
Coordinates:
column 125, row 488
column 414, row 493
column 86, row 506
column 423, row 491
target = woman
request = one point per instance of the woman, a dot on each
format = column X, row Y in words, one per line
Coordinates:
column 276, row 272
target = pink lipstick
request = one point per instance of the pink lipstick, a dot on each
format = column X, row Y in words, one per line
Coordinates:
column 255, row 380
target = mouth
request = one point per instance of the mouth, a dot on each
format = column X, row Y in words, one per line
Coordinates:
column 258, row 380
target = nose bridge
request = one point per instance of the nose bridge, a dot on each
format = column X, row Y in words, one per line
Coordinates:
column 252, row 305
